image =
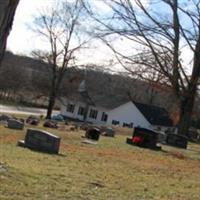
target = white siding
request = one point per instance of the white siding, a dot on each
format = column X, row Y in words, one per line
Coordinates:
column 69, row 114
column 127, row 113
column 75, row 115
column 99, row 115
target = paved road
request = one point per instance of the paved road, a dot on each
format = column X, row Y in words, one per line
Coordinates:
column 23, row 110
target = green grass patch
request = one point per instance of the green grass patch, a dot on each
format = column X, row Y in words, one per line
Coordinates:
column 109, row 170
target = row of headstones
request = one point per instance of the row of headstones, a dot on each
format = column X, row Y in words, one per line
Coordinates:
column 92, row 134
column 143, row 137
column 12, row 122
column 44, row 141
column 40, row 140
column 148, row 139
column 18, row 124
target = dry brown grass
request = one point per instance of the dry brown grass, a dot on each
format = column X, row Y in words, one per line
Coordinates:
column 109, row 170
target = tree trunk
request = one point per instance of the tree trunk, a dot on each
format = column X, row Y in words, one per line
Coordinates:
column 55, row 85
column 186, row 108
column 187, row 103
column 51, row 103
column 7, row 12
column 185, row 115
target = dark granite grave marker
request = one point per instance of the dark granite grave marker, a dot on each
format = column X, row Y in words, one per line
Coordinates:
column 93, row 134
column 50, row 124
column 162, row 137
column 5, row 117
column 193, row 135
column 110, row 132
column 177, row 140
column 41, row 141
column 15, row 124
column 32, row 120
column 143, row 137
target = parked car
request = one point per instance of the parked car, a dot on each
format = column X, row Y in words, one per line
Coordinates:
column 58, row 117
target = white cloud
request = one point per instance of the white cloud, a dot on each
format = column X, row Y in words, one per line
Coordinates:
column 105, row 6
column 21, row 39
column 101, row 6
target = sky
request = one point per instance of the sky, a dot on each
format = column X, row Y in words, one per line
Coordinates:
column 22, row 40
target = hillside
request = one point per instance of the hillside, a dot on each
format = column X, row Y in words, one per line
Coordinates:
column 27, row 79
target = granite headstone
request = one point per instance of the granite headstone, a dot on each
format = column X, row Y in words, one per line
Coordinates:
column 15, row 124
column 41, row 141
column 177, row 140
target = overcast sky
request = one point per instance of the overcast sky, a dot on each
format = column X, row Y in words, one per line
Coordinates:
column 22, row 40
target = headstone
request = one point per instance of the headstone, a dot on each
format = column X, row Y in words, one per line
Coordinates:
column 85, row 126
column 41, row 141
column 22, row 120
column 15, row 124
column 143, row 137
column 193, row 135
column 5, row 117
column 32, row 120
column 177, row 140
column 93, row 134
column 74, row 127
column 110, row 132
column 162, row 137
column 50, row 124
column 21, row 143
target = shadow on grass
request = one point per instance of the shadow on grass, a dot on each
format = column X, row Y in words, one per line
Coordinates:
column 44, row 152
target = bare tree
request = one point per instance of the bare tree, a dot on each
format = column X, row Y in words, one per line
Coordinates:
column 161, row 31
column 7, row 12
column 63, row 30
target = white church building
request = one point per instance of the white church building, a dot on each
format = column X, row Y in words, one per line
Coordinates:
column 105, row 111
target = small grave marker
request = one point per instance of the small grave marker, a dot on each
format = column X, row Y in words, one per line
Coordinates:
column 50, row 124
column 93, row 134
column 15, row 124
column 32, row 120
column 162, row 137
column 109, row 132
column 5, row 117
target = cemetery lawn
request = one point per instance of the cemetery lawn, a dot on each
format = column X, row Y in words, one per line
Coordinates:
column 110, row 170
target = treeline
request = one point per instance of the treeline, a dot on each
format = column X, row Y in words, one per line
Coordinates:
column 27, row 80
column 19, row 78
